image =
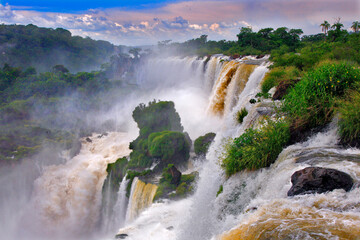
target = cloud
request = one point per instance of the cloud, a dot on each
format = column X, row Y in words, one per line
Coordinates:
column 5, row 11
column 181, row 21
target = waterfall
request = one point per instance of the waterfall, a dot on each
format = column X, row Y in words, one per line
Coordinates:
column 141, row 197
column 264, row 211
column 67, row 198
column 159, row 73
column 120, row 205
column 64, row 200
column 114, row 214
column 217, row 99
column 202, row 222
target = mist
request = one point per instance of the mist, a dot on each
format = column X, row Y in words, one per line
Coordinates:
column 44, row 186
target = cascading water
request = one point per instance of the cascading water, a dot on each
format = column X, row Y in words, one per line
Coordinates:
column 114, row 215
column 198, row 221
column 64, row 202
column 202, row 222
column 256, row 201
column 141, row 197
column 66, row 199
column 259, row 202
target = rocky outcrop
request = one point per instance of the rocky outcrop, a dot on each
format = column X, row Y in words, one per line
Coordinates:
column 319, row 180
column 282, row 88
column 202, row 143
column 175, row 175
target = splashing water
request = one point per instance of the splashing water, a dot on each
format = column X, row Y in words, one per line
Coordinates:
column 67, row 197
column 141, row 196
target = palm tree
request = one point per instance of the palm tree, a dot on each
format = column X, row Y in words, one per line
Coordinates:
column 337, row 25
column 325, row 27
column 355, row 26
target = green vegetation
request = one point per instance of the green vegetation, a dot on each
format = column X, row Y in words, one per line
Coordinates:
column 160, row 136
column 169, row 146
column 278, row 74
column 169, row 189
column 322, row 68
column 241, row 114
column 202, row 143
column 256, row 148
column 349, row 123
column 42, row 48
column 248, row 43
column 156, row 117
column 221, row 189
column 311, row 102
column 37, row 100
column 21, row 140
column 117, row 171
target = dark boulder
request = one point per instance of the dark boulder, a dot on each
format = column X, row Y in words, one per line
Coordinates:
column 283, row 87
column 319, row 180
column 121, row 236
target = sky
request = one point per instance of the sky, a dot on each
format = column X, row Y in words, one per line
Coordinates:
column 146, row 22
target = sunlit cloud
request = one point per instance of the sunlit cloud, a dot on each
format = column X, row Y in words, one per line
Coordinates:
column 181, row 21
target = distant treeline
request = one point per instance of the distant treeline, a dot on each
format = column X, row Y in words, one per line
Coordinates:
column 264, row 41
column 42, row 48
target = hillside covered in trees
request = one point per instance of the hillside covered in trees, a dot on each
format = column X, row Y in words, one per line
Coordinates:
column 42, row 48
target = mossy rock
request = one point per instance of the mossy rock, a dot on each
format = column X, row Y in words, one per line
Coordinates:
column 154, row 119
column 170, row 147
column 170, row 189
column 157, row 117
column 201, row 144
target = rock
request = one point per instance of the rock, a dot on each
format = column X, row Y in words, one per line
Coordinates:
column 282, row 88
column 121, row 236
column 319, row 180
column 88, row 140
column 175, row 175
column 202, row 143
column 260, row 56
column 265, row 111
column 235, row 56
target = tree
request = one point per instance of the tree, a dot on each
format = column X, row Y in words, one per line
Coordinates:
column 337, row 25
column 355, row 26
column 325, row 27
column 246, row 37
column 60, row 68
column 337, row 33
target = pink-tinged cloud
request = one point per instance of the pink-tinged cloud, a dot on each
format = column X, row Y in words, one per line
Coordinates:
column 184, row 20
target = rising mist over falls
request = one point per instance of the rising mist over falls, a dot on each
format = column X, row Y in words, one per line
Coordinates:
column 67, row 199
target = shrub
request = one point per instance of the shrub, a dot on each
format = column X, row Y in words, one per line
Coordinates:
column 202, row 143
column 169, row 146
column 349, row 123
column 157, row 117
column 278, row 74
column 241, row 114
column 221, row 189
column 183, row 188
column 117, row 171
column 310, row 103
column 256, row 148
